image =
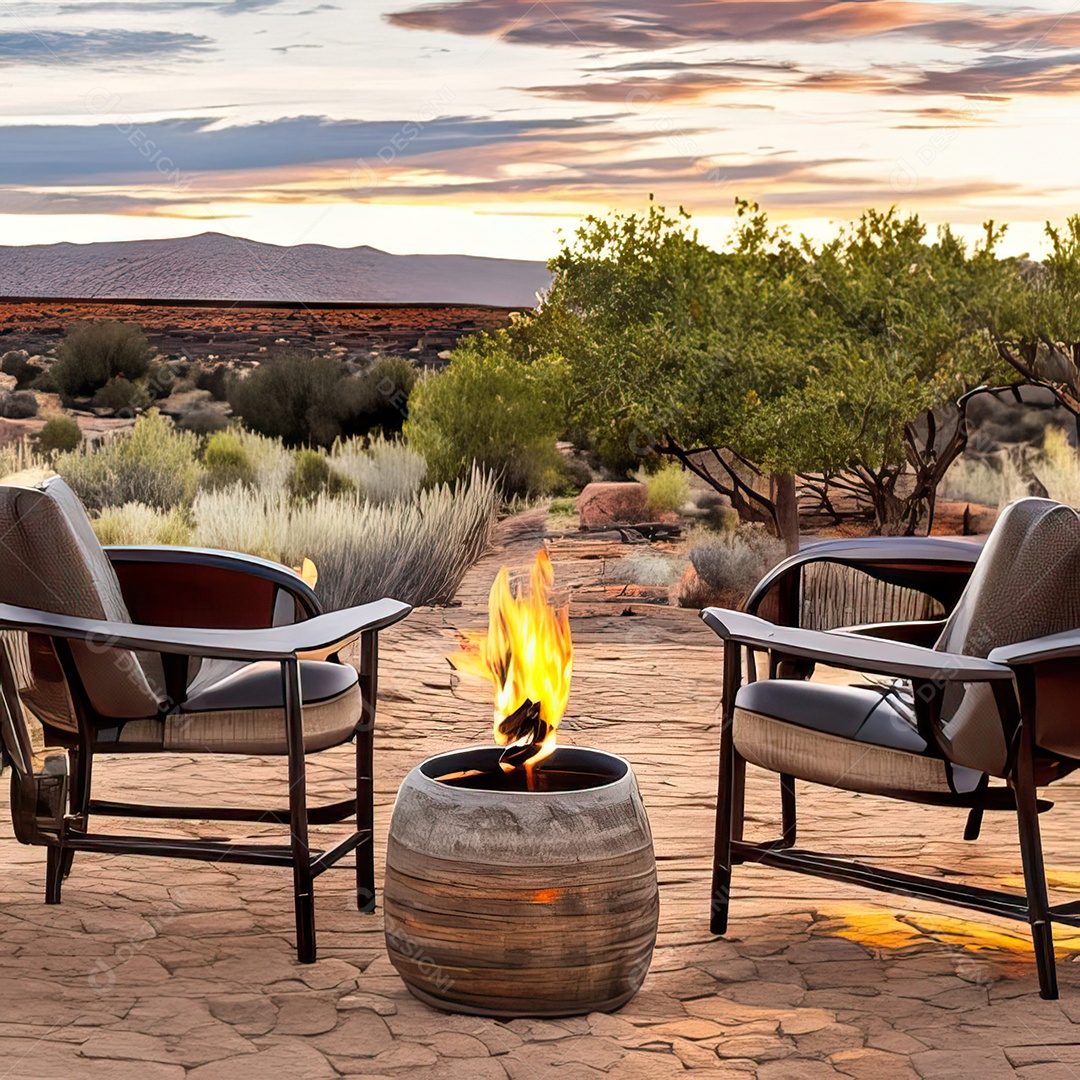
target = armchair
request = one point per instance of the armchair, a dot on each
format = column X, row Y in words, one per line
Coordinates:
column 151, row 650
column 976, row 721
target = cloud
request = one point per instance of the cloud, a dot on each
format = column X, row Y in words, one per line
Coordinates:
column 1006, row 76
column 164, row 7
column 652, row 24
column 95, row 46
column 122, row 150
column 696, row 82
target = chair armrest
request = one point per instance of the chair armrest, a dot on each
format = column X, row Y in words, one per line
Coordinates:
column 269, row 643
column 840, row 649
column 183, row 586
column 1063, row 646
column 914, row 632
column 930, row 564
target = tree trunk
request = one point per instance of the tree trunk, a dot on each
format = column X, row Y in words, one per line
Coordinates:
column 786, row 501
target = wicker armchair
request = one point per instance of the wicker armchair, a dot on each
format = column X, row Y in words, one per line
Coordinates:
column 977, row 720
column 151, row 650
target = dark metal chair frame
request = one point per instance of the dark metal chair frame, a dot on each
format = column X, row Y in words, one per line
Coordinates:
column 941, row 568
column 46, row 813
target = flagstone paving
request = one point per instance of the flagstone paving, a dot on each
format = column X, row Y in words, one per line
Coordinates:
column 161, row 969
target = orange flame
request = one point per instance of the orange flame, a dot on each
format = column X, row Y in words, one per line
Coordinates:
column 527, row 655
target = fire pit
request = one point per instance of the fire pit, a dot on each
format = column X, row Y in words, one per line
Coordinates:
column 520, row 878
column 509, row 902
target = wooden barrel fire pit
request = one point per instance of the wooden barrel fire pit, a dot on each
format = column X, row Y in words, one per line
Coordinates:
column 504, row 901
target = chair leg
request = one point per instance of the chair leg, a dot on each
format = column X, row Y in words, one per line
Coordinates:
column 82, row 760
column 728, row 800
column 1038, row 902
column 974, row 823
column 303, row 892
column 54, row 873
column 787, row 809
column 365, row 772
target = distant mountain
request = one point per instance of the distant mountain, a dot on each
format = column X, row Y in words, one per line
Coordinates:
column 213, row 266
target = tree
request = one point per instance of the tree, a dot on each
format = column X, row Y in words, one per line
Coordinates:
column 841, row 361
column 912, row 325
column 672, row 347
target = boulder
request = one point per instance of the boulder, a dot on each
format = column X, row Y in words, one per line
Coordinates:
column 603, row 503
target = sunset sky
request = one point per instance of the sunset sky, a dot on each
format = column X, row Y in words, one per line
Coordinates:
column 483, row 126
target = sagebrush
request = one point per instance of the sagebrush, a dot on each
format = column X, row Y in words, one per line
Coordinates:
column 416, row 551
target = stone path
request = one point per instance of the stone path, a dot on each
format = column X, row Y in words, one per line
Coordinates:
column 160, row 969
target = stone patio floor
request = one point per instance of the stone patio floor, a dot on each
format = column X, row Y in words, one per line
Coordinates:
column 159, row 969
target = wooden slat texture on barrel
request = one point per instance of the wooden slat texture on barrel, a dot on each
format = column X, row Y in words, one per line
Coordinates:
column 524, row 941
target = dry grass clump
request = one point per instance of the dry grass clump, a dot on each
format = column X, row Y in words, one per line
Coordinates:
column 727, row 566
column 1012, row 475
column 416, row 551
column 648, row 568
column 385, row 471
column 136, row 523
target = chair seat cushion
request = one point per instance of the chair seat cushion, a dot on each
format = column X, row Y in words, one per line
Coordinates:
column 880, row 716
column 242, row 712
column 856, row 738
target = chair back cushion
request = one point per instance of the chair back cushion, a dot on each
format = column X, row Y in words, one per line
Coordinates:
column 1025, row 585
column 52, row 561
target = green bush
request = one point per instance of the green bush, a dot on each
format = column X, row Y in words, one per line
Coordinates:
column 136, row 523
column 226, row 461
column 492, row 410
column 417, row 551
column 312, row 400
column 293, row 397
column 377, row 399
column 18, row 405
column 60, row 434
column 667, row 489
column 154, row 464
column 120, row 395
column 94, row 353
column 312, row 476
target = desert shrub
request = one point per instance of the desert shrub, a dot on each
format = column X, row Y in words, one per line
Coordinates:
column 312, row 475
column 154, row 464
column 384, row 471
column 137, row 523
column 727, row 566
column 215, row 379
column 1015, row 474
column 94, row 353
column 377, row 399
column 18, row 405
column 120, row 395
column 60, row 434
column 666, row 489
column 202, row 420
column 226, row 461
column 160, row 381
column 563, row 508
column 490, row 409
column 293, row 397
column 417, row 551
column 648, row 568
